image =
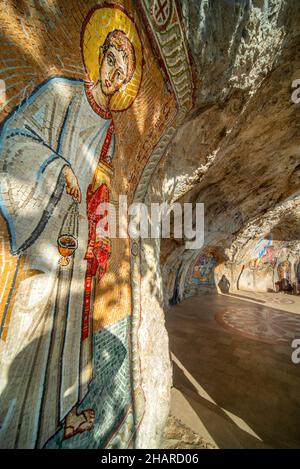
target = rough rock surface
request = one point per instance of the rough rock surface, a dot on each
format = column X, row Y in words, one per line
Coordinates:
column 238, row 150
column 178, row 436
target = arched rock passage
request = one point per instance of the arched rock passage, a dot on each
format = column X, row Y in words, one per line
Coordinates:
column 200, row 111
column 237, row 152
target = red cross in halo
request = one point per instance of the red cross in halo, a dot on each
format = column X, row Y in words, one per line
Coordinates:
column 160, row 11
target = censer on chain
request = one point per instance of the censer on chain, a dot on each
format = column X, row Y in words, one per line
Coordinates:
column 67, row 241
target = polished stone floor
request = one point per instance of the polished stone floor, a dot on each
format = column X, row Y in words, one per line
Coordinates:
column 234, row 381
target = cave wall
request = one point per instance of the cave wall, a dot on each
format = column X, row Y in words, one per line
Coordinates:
column 252, row 263
column 237, row 151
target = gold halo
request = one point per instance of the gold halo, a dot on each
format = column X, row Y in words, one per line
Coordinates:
column 99, row 23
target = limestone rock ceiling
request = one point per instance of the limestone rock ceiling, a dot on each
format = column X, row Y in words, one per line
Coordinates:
column 234, row 43
column 238, row 149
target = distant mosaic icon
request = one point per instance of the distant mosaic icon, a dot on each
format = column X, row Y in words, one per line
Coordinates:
column 161, row 12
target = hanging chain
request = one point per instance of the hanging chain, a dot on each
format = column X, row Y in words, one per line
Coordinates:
column 70, row 222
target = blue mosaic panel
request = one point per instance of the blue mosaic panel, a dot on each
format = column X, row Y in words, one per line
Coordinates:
column 110, row 391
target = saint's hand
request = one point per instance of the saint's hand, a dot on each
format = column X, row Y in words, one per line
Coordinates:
column 72, row 186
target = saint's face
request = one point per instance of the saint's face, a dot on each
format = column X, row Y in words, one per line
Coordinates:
column 113, row 71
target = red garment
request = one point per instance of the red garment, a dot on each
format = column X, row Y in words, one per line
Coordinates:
column 98, row 250
column 99, row 245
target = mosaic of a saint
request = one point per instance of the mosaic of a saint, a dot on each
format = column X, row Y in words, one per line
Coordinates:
column 56, row 159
